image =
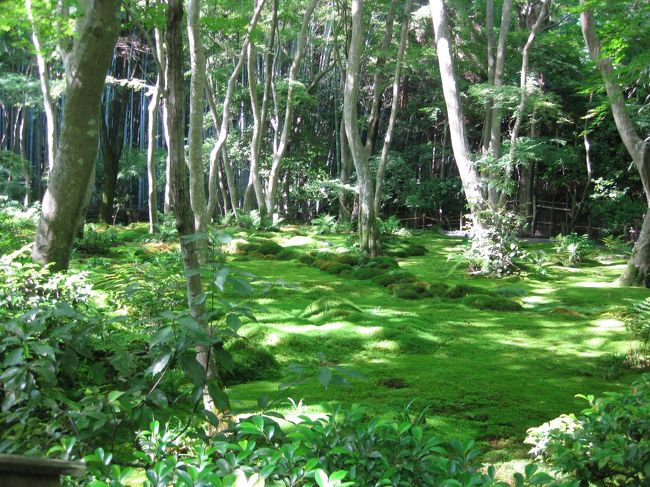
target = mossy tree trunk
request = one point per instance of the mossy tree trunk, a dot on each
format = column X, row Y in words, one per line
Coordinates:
column 71, row 176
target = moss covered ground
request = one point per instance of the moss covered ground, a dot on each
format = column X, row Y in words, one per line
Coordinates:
column 489, row 358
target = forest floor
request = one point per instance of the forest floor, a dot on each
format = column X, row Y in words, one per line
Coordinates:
column 481, row 373
column 487, row 358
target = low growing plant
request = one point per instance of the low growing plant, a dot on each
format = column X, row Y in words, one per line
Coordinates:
column 607, row 444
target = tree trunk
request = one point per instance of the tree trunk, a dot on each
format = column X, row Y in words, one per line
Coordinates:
column 381, row 168
column 523, row 88
column 74, row 165
column 495, row 124
column 459, row 144
column 218, row 148
column 378, row 79
column 195, row 135
column 24, row 163
column 152, row 129
column 280, row 150
column 489, row 21
column 112, row 142
column 368, row 234
column 44, row 79
column 638, row 267
column 179, row 186
column 345, row 212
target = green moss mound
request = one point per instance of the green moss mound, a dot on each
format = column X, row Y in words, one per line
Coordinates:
column 395, row 277
column 307, row 259
column 462, row 290
column 339, row 268
column 411, row 290
column 365, row 273
column 330, row 307
column 349, row 259
column 407, row 249
column 407, row 340
column 438, row 289
column 269, row 248
column 251, row 362
column 260, row 246
column 492, row 303
column 285, row 254
column 383, row 262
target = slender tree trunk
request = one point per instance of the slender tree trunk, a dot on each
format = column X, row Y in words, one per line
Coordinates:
column 254, row 176
column 489, row 20
column 74, row 165
column 44, row 79
column 280, row 150
column 495, row 124
column 180, row 200
column 345, row 212
column 152, row 129
column 218, row 148
column 378, row 79
column 24, row 163
column 368, row 234
column 468, row 174
column 638, row 267
column 195, row 136
column 523, row 96
column 112, row 142
column 381, row 168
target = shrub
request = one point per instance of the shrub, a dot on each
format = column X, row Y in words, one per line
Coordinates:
column 638, row 324
column 617, row 245
column 494, row 245
column 606, row 444
column 494, row 303
column 96, row 243
column 389, row 226
column 462, row 290
column 24, row 286
column 347, row 447
column 324, row 224
column 572, row 249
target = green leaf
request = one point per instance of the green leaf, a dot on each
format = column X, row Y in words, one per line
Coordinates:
column 193, row 369
column 220, row 278
column 321, row 478
column 161, row 336
column 233, row 322
column 159, row 364
column 218, row 395
column 324, row 376
column 114, row 396
column 338, row 475
column 14, row 357
column 191, row 324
